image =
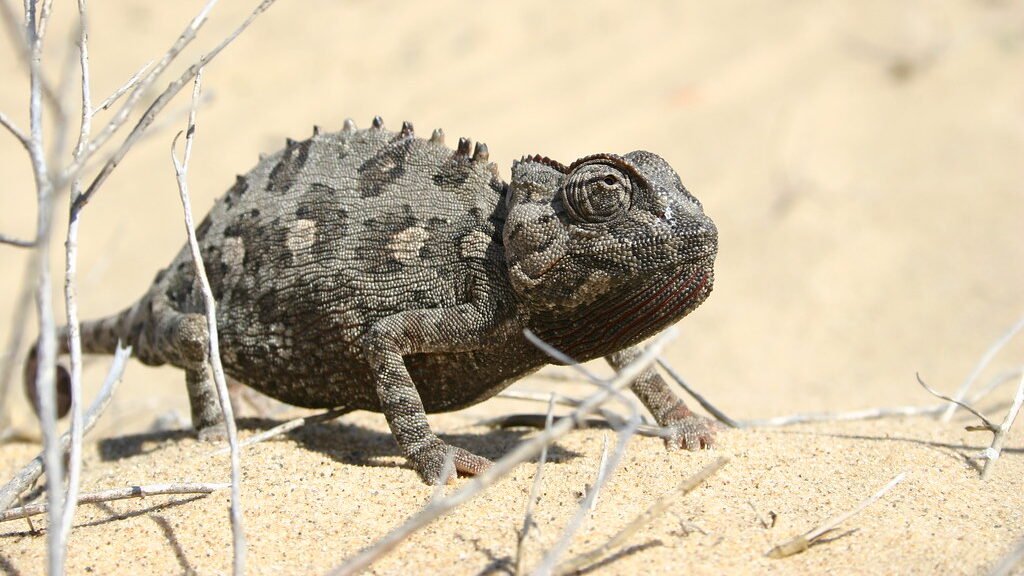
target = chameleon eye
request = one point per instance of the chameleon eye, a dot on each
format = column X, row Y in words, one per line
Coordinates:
column 597, row 193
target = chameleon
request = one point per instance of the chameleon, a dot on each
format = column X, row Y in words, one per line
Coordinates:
column 377, row 270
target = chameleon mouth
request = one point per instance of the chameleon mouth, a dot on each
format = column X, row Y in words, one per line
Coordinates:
column 609, row 328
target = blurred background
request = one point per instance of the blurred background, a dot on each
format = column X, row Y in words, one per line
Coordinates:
column 864, row 161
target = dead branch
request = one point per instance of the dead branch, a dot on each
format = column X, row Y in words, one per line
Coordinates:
column 718, row 414
column 287, row 427
column 807, row 539
column 1008, row 564
column 503, row 466
column 133, row 80
column 17, row 242
column 655, row 510
column 71, row 289
column 986, row 358
column 14, row 130
column 34, row 469
column 117, row 494
column 181, row 174
column 154, row 109
column 531, row 502
column 992, row 453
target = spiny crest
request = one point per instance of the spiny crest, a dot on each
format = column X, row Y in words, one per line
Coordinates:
column 547, row 162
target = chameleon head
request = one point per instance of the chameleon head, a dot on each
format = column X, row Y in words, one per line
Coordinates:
column 605, row 227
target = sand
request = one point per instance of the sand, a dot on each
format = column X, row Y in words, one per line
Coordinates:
column 862, row 162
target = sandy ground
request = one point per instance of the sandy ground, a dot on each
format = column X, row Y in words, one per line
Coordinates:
column 862, row 161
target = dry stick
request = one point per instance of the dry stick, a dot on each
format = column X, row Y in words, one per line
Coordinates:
column 154, row 109
column 132, row 81
column 992, row 452
column 47, row 344
column 585, row 509
column 988, row 425
column 121, row 116
column 34, row 469
column 1009, row 563
column 181, row 174
column 718, row 414
column 70, row 287
column 117, row 494
column 558, row 399
column 808, row 539
column 534, row 490
column 16, row 335
column 503, row 466
column 18, row 242
column 24, row 46
column 655, row 510
column 286, row 427
column 982, row 364
column 14, row 130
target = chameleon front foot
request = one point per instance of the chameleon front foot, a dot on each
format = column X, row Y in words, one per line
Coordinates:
column 430, row 461
column 689, row 431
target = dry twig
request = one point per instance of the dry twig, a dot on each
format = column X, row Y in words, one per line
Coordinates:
column 34, row 469
column 718, row 414
column 286, row 427
column 117, row 494
column 503, row 466
column 71, row 289
column 181, row 174
column 807, row 539
column 980, row 367
column 1008, row 564
column 528, row 521
column 646, row 517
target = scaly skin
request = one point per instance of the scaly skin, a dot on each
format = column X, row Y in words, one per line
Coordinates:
column 379, row 271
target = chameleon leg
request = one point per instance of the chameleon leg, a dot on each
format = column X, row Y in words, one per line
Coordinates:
column 182, row 339
column 689, row 430
column 420, row 331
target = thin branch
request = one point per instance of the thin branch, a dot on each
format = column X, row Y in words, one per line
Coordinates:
column 70, row 287
column 115, row 123
column 988, row 424
column 531, row 502
column 850, row 416
column 150, row 114
column 286, row 427
column 12, row 241
column 117, row 494
column 718, row 414
column 993, row 452
column 14, row 130
column 655, row 510
column 560, row 356
column 131, row 83
column 47, row 343
column 181, row 174
column 19, row 321
column 559, row 399
column 1008, row 564
column 503, row 466
column 982, row 364
column 809, row 538
column 34, row 469
column 24, row 44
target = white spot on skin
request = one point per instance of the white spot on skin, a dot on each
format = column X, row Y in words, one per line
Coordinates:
column 301, row 235
column 233, row 254
column 474, row 245
column 405, row 245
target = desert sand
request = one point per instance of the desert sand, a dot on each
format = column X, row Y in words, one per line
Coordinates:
column 863, row 163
